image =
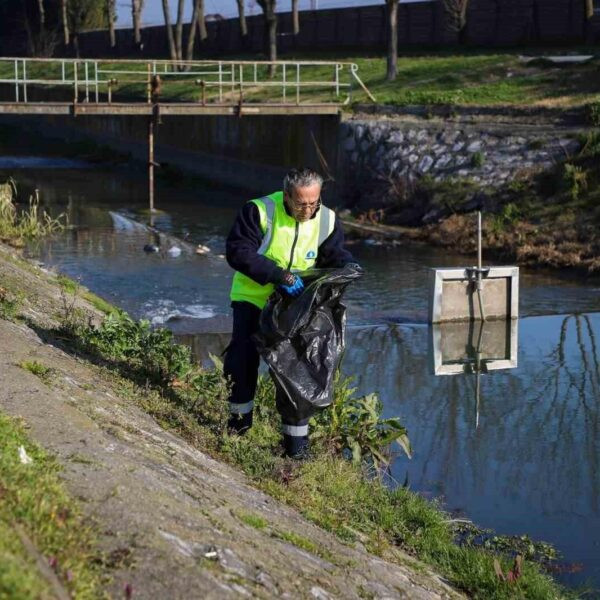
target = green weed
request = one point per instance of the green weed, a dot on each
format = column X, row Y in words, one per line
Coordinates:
column 16, row 226
column 36, row 507
column 38, row 369
column 252, row 520
column 354, row 424
column 575, row 180
column 477, row 160
column 593, row 114
column 10, row 304
column 507, row 217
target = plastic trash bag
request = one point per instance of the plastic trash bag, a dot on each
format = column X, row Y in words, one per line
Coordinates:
column 302, row 340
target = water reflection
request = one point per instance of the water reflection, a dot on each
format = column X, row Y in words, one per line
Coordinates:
column 532, row 464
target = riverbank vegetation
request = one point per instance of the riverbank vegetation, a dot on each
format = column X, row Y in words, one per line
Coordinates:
column 339, row 488
column 47, row 549
column 539, row 219
column 19, row 224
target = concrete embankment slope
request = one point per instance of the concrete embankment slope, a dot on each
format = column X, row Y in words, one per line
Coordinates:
column 178, row 517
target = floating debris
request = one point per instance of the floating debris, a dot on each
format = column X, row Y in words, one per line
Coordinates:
column 151, row 248
column 174, row 251
column 24, row 457
column 200, row 249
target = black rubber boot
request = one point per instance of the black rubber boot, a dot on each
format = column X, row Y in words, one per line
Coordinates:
column 239, row 424
column 296, row 446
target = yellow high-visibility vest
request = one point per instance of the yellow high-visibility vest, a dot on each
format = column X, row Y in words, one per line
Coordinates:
column 294, row 246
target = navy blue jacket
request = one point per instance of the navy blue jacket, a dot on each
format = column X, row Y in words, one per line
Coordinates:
column 245, row 238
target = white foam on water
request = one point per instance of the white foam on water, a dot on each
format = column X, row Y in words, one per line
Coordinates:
column 161, row 311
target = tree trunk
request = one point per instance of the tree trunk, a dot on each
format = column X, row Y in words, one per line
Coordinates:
column 392, row 51
column 268, row 8
column 202, row 23
column 462, row 32
column 42, row 13
column 167, row 15
column 589, row 9
column 110, row 15
column 295, row 18
column 179, row 31
column 242, row 13
column 65, row 22
column 189, row 54
column 136, row 14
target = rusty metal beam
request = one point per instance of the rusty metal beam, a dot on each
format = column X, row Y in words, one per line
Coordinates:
column 179, row 109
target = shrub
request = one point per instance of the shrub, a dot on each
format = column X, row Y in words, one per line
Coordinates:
column 575, row 180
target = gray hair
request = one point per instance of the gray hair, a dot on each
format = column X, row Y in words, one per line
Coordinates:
column 302, row 177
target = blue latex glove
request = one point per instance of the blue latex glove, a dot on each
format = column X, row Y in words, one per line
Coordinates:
column 294, row 290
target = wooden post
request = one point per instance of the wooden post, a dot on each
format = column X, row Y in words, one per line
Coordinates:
column 151, row 164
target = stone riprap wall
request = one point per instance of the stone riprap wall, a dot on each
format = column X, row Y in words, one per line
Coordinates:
column 381, row 150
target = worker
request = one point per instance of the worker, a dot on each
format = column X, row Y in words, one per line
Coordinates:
column 272, row 239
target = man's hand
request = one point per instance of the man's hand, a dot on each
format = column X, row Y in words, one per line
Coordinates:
column 292, row 284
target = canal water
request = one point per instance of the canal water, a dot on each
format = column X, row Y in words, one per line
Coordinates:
column 516, row 450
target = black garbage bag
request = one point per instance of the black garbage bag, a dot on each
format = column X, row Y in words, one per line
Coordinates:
column 302, row 340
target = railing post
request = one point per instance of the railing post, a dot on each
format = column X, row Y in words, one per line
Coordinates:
column 255, row 73
column 62, row 62
column 283, row 81
column 16, row 80
column 220, row 82
column 338, row 68
column 149, row 84
column 241, row 77
column 232, row 78
column 24, row 80
column 151, row 164
column 297, row 83
column 96, row 81
column 87, row 82
column 75, row 83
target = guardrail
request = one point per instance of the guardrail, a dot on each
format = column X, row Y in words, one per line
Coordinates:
column 227, row 83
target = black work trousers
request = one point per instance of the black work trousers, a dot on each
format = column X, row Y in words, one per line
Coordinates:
column 241, row 364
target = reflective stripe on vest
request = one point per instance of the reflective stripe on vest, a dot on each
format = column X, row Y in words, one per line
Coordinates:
column 270, row 210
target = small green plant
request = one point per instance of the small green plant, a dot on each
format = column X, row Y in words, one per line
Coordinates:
column 575, row 180
column 477, row 159
column 10, row 304
column 252, row 520
column 593, row 114
column 37, row 369
column 354, row 424
column 507, row 217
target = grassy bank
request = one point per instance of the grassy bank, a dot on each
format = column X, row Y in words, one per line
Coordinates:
column 342, row 495
column 46, row 547
column 455, row 77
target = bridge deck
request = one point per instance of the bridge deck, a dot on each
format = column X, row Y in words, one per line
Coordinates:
column 179, row 109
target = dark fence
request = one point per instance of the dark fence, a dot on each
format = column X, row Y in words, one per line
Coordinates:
column 423, row 24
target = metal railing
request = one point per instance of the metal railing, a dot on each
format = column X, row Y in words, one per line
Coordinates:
column 206, row 82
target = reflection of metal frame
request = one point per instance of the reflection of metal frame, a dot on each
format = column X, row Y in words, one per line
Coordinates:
column 472, row 362
column 439, row 276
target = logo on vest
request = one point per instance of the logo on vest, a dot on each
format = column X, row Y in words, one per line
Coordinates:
column 311, row 254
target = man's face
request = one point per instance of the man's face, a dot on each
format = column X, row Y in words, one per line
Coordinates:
column 304, row 201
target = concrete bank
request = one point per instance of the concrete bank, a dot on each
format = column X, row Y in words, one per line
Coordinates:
column 355, row 152
column 181, row 519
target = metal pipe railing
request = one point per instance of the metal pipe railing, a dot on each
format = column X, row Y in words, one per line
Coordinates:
column 308, row 81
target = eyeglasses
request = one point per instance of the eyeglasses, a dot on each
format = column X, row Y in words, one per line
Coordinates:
column 309, row 206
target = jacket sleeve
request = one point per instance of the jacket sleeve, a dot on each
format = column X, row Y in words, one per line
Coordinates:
column 241, row 248
column 332, row 252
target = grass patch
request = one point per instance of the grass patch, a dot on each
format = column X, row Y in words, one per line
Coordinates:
column 38, row 369
column 10, row 304
column 18, row 225
column 253, row 520
column 338, row 489
column 35, row 507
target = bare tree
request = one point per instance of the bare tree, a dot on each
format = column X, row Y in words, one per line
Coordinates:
column 268, row 8
column 170, row 37
column 242, row 13
column 65, row 21
column 392, row 51
column 457, row 17
column 179, row 30
column 110, row 17
column 197, row 12
column 295, row 18
column 202, row 23
column 136, row 17
column 589, row 9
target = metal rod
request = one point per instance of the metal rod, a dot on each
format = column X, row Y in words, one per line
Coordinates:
column 283, row 80
column 151, row 164
column 62, row 62
column 87, row 89
column 24, row 82
column 75, row 92
column 220, row 82
column 16, row 80
column 96, row 80
column 297, row 84
column 149, row 85
column 479, row 261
